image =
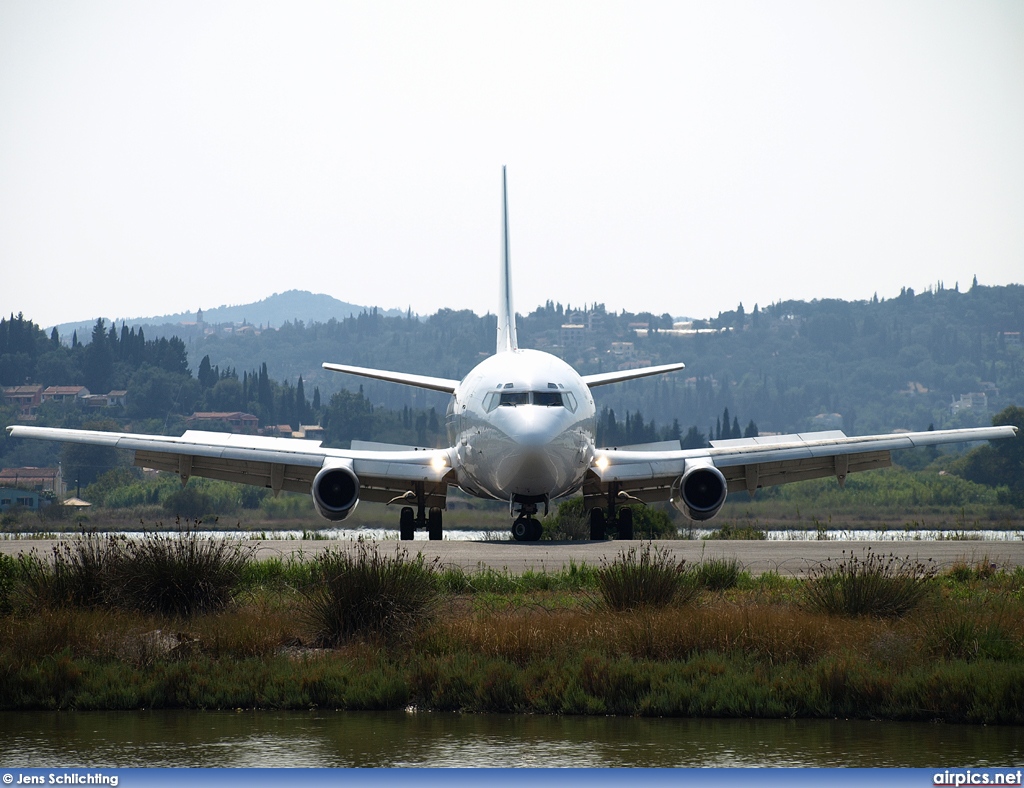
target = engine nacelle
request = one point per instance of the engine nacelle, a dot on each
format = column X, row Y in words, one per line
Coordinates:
column 700, row 492
column 335, row 492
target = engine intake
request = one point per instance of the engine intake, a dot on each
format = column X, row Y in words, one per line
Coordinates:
column 335, row 492
column 700, row 492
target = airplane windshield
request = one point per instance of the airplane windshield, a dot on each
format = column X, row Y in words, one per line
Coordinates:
column 550, row 399
column 511, row 398
column 544, row 399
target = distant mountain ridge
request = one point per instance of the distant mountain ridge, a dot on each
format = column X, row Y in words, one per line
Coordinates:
column 273, row 311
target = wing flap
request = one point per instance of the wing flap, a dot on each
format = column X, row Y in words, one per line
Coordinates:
column 277, row 476
column 769, row 474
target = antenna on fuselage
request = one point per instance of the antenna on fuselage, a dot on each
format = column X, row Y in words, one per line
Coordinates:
column 506, row 313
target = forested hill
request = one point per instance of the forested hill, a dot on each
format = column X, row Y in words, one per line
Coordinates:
column 865, row 366
column 871, row 366
column 271, row 311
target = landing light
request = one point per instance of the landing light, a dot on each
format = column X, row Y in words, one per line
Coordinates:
column 438, row 463
column 601, row 462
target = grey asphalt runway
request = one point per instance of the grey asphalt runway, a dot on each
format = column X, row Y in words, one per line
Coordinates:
column 791, row 558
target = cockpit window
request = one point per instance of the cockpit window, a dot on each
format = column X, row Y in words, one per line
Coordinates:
column 511, row 398
column 549, row 399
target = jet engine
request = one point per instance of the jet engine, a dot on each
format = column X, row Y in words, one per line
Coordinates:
column 335, row 492
column 700, row 492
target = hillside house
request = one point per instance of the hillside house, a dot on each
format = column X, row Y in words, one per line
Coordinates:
column 40, row 479
column 26, row 399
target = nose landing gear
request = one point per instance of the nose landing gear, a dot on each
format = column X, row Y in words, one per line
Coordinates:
column 526, row 527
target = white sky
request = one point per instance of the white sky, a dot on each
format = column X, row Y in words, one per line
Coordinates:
column 674, row 157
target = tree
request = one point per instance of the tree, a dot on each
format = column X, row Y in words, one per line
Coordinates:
column 999, row 464
column 207, row 377
column 155, row 393
column 98, row 366
column 695, row 439
column 349, row 416
column 83, row 464
column 301, row 405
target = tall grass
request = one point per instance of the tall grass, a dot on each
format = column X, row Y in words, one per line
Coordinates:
column 364, row 592
column 645, row 577
column 875, row 585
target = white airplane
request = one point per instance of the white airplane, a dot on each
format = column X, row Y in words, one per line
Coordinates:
column 522, row 430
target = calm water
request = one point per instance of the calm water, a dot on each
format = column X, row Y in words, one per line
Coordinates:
column 300, row 739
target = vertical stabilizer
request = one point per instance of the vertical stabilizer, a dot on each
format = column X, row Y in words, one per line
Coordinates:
column 506, row 313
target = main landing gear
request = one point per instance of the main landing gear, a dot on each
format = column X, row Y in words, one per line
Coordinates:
column 599, row 524
column 410, row 520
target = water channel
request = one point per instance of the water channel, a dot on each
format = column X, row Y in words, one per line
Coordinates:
column 417, row 739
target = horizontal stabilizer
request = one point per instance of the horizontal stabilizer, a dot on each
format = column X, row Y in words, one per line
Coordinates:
column 419, row 381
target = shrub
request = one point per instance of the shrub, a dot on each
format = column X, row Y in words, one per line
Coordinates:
column 718, row 574
column 81, row 572
column 361, row 592
column 888, row 587
column 183, row 573
column 733, row 531
column 647, row 577
column 9, row 571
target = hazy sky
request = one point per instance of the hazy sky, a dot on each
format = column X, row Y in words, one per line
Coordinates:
column 676, row 157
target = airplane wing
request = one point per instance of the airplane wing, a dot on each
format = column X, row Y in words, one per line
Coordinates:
column 751, row 463
column 603, row 378
column 290, row 464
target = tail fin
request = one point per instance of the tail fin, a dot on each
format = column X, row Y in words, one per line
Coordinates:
column 506, row 314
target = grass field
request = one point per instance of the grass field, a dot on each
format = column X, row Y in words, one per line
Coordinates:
column 77, row 632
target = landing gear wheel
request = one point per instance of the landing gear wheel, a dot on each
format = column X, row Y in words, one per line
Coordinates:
column 406, row 524
column 597, row 525
column 625, row 524
column 527, row 529
column 521, row 529
column 434, row 524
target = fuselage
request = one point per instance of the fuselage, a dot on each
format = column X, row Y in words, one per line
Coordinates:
column 521, row 426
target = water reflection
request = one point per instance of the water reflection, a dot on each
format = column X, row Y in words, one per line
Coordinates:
column 297, row 739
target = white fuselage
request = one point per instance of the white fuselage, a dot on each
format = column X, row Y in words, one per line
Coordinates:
column 521, row 425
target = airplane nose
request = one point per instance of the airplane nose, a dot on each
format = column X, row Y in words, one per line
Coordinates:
column 538, row 427
column 531, row 471
column 541, row 457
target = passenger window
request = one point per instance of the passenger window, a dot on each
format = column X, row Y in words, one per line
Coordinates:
column 549, row 399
